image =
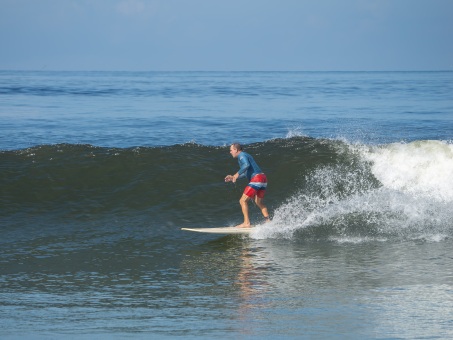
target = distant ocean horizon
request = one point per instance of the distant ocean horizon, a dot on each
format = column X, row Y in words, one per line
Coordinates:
column 147, row 108
column 100, row 170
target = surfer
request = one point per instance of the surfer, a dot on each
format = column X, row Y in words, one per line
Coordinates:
column 257, row 183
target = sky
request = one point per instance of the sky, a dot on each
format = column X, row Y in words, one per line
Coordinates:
column 226, row 35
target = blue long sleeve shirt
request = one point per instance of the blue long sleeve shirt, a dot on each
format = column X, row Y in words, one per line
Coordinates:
column 247, row 166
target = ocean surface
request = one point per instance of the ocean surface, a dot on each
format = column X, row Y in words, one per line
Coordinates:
column 99, row 171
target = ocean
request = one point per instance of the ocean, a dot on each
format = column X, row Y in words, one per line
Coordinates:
column 99, row 171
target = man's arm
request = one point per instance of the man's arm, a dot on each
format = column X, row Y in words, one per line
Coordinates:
column 244, row 165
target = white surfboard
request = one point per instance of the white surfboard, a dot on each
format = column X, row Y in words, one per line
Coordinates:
column 224, row 230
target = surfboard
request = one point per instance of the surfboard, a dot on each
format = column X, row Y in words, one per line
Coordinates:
column 223, row 230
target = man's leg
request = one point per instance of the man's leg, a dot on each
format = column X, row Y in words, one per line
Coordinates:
column 245, row 211
column 262, row 206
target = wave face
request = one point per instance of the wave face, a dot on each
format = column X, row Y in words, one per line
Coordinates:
column 319, row 189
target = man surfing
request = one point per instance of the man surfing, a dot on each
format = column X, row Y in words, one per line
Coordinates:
column 256, row 187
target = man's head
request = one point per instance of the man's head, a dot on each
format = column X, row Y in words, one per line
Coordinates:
column 235, row 149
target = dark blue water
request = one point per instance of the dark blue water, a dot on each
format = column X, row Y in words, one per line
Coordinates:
column 99, row 171
column 123, row 109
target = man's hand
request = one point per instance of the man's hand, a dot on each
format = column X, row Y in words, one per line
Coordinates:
column 231, row 178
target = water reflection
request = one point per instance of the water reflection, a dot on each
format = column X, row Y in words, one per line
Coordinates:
column 292, row 288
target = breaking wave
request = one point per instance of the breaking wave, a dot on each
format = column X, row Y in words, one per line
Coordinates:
column 395, row 191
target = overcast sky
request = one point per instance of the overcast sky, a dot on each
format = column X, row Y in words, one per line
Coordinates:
column 226, row 35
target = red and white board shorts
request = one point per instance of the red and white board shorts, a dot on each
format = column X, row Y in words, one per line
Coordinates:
column 257, row 186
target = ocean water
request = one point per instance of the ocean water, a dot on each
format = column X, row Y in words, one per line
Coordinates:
column 99, row 171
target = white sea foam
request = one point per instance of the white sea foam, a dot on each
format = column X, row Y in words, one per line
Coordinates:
column 420, row 168
column 395, row 191
column 295, row 131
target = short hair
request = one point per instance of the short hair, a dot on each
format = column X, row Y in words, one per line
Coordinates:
column 237, row 146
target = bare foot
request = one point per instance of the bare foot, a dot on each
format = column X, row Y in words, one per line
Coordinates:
column 243, row 225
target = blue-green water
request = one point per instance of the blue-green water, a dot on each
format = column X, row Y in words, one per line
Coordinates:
column 100, row 170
